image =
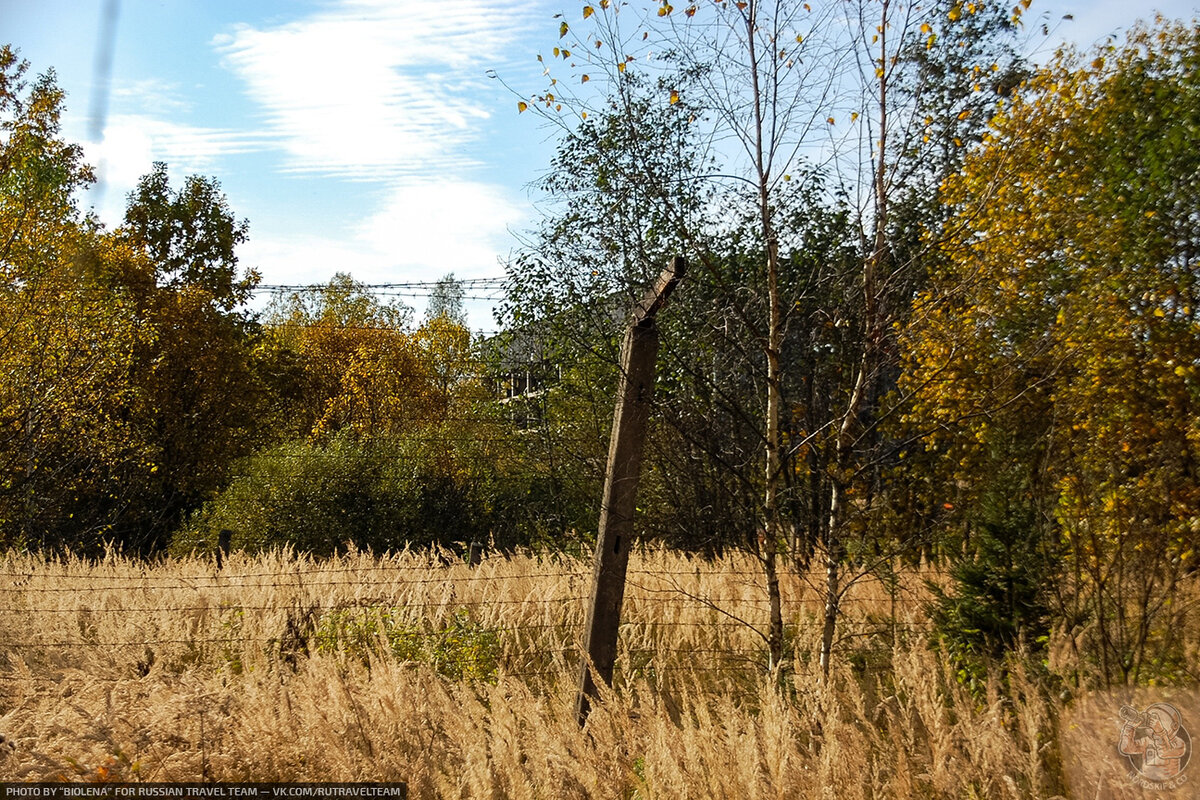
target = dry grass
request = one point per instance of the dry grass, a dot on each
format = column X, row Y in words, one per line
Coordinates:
column 461, row 681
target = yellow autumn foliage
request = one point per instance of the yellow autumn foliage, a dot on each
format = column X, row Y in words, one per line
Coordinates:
column 1062, row 328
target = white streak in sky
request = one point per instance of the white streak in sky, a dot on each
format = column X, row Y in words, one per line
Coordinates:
column 374, row 90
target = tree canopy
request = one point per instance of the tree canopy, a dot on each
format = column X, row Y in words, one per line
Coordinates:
column 1059, row 340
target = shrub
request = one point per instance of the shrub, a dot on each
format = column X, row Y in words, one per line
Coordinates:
column 458, row 649
column 383, row 493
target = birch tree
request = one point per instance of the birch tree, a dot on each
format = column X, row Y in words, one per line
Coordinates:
column 862, row 99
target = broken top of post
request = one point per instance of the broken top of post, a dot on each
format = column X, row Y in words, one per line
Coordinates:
column 656, row 296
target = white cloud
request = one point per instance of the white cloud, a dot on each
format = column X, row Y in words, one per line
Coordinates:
column 443, row 226
column 388, row 91
column 133, row 142
column 151, row 95
column 420, row 232
column 393, row 92
column 374, row 89
column 303, row 259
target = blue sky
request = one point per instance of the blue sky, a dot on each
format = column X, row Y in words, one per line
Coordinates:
column 355, row 135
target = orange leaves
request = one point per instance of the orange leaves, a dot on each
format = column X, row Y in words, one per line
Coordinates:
column 588, row 11
column 522, row 107
column 370, row 374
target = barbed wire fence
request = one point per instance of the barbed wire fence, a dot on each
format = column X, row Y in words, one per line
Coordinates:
column 517, row 617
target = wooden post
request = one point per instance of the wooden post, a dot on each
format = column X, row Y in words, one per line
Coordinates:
column 224, row 540
column 634, row 391
column 474, row 554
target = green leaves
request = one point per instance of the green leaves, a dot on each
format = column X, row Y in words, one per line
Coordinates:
column 190, row 235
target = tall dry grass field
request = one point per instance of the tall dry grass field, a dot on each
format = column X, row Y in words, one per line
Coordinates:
column 460, row 681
